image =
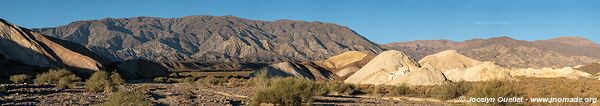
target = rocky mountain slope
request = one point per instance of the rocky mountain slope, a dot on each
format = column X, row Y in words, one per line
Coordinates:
column 25, row 47
column 212, row 38
column 511, row 53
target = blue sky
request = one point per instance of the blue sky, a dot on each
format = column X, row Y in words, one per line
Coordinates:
column 381, row 21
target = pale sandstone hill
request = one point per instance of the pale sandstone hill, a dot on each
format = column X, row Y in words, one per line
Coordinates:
column 31, row 48
column 345, row 64
column 457, row 67
column 511, row 53
column 485, row 71
column 292, row 69
column 212, row 39
column 394, row 67
column 449, row 59
column 566, row 72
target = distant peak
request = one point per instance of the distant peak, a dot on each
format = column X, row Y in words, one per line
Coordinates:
column 501, row 38
column 572, row 40
column 569, row 38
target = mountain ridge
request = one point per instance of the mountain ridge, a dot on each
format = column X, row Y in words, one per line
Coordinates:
column 212, row 38
column 511, row 52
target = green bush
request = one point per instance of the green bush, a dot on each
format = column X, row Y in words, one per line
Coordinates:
column 161, row 79
column 21, row 78
column 63, row 78
column 286, row 91
column 451, row 90
column 127, row 98
column 103, row 81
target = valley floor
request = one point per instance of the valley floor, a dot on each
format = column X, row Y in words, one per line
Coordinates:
column 175, row 94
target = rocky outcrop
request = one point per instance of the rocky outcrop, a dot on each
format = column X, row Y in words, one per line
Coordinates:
column 345, row 64
column 212, row 39
column 486, row 71
column 393, row 68
column 457, row 67
column 292, row 69
column 566, row 72
column 34, row 49
column 511, row 53
column 449, row 59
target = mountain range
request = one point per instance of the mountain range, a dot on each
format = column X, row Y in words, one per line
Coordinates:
column 195, row 42
column 507, row 52
column 212, row 39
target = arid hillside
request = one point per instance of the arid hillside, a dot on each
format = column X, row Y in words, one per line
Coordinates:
column 212, row 38
column 25, row 51
column 512, row 53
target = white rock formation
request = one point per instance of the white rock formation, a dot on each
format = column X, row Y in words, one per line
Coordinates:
column 449, row 59
column 485, row 71
column 566, row 72
column 393, row 68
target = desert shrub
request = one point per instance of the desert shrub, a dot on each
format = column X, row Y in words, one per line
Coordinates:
column 211, row 80
column 161, row 79
column 102, row 81
column 63, row 78
column 3, row 89
column 260, row 79
column 127, row 98
column 236, row 82
column 398, row 90
column 188, row 80
column 21, row 78
column 492, row 89
column 341, row 88
column 451, row 90
column 286, row 91
column 174, row 75
column 117, row 79
column 68, row 81
column 322, row 90
column 379, row 90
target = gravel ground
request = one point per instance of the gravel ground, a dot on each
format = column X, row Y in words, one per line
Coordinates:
column 163, row 94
